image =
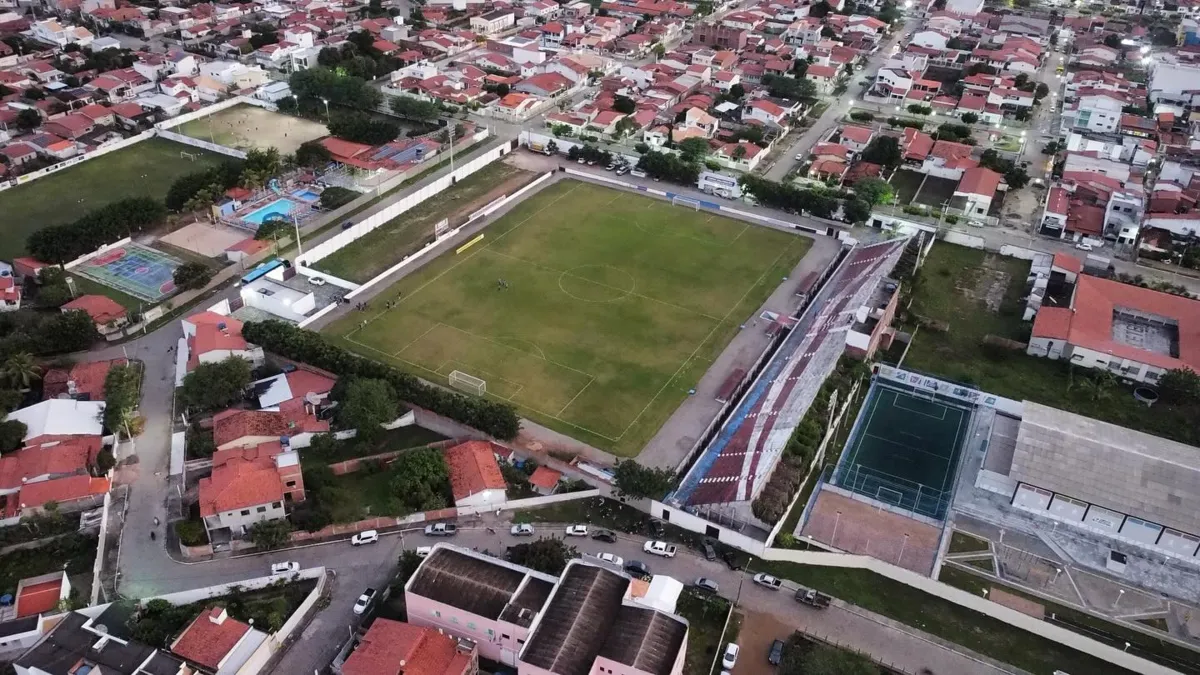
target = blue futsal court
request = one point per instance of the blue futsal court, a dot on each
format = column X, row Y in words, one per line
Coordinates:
column 138, row 270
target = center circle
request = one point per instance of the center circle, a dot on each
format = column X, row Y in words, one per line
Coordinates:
column 596, row 283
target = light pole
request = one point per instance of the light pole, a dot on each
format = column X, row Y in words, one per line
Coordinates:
column 326, row 102
column 1120, row 594
column 837, row 519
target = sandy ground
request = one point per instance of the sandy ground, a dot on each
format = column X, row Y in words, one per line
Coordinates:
column 247, row 126
column 759, row 630
column 205, row 239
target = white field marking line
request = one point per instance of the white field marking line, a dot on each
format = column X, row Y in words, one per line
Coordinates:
column 948, row 479
column 670, row 214
column 896, row 405
column 519, row 351
column 853, row 459
column 705, row 340
column 905, row 446
column 416, row 339
column 568, row 405
column 739, row 234
column 634, row 294
column 466, row 368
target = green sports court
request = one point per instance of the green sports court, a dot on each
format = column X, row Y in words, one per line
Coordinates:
column 905, row 449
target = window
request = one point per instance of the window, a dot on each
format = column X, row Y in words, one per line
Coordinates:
column 437, row 613
column 245, row 512
column 277, row 505
column 262, row 509
column 505, row 636
column 454, row 620
column 471, row 625
column 291, row 483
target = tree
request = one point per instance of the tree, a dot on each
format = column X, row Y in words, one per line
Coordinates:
column 361, row 128
column 873, row 190
column 375, row 8
column 406, row 567
column 624, row 105
column 334, row 196
column 271, row 534
column 192, row 275
column 1180, row 386
column 737, row 92
column 638, row 482
column 1112, row 40
column 29, row 118
column 548, row 554
column 313, row 85
column 121, row 393
column 883, row 150
column 970, row 118
column 19, row 370
column 414, row 108
column 1041, row 91
column 216, row 385
column 819, row 10
column 313, row 155
column 918, row 109
column 367, row 404
column 421, row 480
column 694, row 148
column 12, row 434
column 1016, row 178
column 659, row 49
column 65, row 333
column 857, row 211
column 790, row 87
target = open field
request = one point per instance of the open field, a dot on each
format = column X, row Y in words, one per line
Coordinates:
column 612, row 307
column 248, row 127
column 389, row 243
column 145, row 169
column 978, row 294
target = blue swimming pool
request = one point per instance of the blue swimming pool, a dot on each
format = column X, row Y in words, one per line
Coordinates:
column 279, row 207
column 306, row 195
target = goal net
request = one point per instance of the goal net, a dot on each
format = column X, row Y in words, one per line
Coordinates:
column 685, row 201
column 465, row 382
column 184, row 154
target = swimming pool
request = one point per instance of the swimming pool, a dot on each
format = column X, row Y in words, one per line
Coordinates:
column 279, row 207
column 307, row 195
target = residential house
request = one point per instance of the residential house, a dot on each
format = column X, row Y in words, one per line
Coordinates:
column 975, row 191
column 764, row 112
column 742, row 156
column 106, row 313
column 545, row 85
column 392, row 648
column 493, row 22
column 830, row 162
column 52, row 31
column 825, row 77
column 856, row 138
column 219, row 643
column 10, row 294
column 295, row 419
column 83, row 381
column 249, row 485
column 475, row 478
column 947, row 159
column 209, row 337
column 545, row 480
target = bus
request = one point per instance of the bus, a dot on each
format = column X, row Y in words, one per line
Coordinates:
column 262, row 269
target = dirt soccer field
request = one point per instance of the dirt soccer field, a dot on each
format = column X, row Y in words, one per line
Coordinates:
column 247, row 127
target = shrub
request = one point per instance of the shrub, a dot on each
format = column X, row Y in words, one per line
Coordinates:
column 191, row 533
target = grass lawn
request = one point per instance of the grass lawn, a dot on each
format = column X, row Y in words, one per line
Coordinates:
column 366, row 493
column 75, row 553
column 1146, row 646
column 960, row 542
column 706, row 617
column 615, row 306
column 145, row 169
column 905, row 183
column 389, row 243
column 954, row 286
column 912, row 607
column 393, row 439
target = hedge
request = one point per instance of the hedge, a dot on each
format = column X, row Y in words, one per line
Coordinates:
column 497, row 419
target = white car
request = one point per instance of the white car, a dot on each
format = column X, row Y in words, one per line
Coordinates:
column 285, row 568
column 1084, row 246
column 522, row 530
column 577, row 531
column 729, row 659
column 610, row 559
column 424, row 551
column 317, row 281
column 365, row 537
column 364, row 601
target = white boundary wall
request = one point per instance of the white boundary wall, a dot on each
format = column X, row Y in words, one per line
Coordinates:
column 103, row 249
column 203, row 145
column 974, row 602
column 364, row 227
column 214, row 108
column 34, row 175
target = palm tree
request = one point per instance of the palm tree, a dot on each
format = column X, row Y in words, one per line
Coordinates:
column 20, row 370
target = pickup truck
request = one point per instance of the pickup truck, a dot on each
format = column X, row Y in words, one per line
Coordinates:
column 660, row 548
column 767, row 581
column 441, row 530
column 813, row 598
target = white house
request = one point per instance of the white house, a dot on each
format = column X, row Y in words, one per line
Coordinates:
column 493, row 22
column 475, row 478
column 53, row 32
column 975, row 191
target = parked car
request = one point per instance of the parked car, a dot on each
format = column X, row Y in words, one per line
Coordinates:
column 638, row 569
column 1084, row 246
column 317, row 281
column 577, row 530
column 606, row 536
column 364, row 601
column 710, row 553
column 776, row 654
column 767, row 581
column 348, row 224
column 365, row 537
column 610, row 558
column 707, row 585
column 731, row 560
column 660, row 548
column 813, row 598
column 424, row 551
column 637, row 173
column 522, row 530
column 622, row 170
column 729, row 658
column 285, row 568
column 656, row 528
column 441, row 530
column 581, row 161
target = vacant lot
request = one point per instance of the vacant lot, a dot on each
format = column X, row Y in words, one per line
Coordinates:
column 906, row 183
column 389, row 243
column 248, row 127
column 591, row 310
column 978, row 294
column 145, row 169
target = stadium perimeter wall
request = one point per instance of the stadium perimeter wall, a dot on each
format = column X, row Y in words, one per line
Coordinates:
column 99, row 152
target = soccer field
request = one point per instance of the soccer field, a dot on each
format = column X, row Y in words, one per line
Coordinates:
column 612, row 306
column 905, row 451
column 248, row 127
column 145, row 169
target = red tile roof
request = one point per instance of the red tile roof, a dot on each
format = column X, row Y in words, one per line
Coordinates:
column 210, row 638
column 545, row 477
column 1088, row 322
column 240, row 484
column 857, row 134
column 9, row 289
column 51, row 457
column 62, row 490
column 473, row 469
column 88, row 378
column 39, row 598
column 102, row 309
column 292, row 418
column 979, row 181
column 1056, row 202
column 394, row 648
column 1068, row 262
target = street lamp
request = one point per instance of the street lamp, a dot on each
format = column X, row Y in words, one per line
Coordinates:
column 326, row 102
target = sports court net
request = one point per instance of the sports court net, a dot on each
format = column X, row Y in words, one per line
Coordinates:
column 464, row 382
column 685, row 201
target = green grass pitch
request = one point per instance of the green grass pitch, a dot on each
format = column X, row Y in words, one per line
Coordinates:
column 144, row 169
column 615, row 305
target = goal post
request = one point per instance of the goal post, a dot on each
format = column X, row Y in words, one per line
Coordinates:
column 462, row 381
column 678, row 200
column 190, row 156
